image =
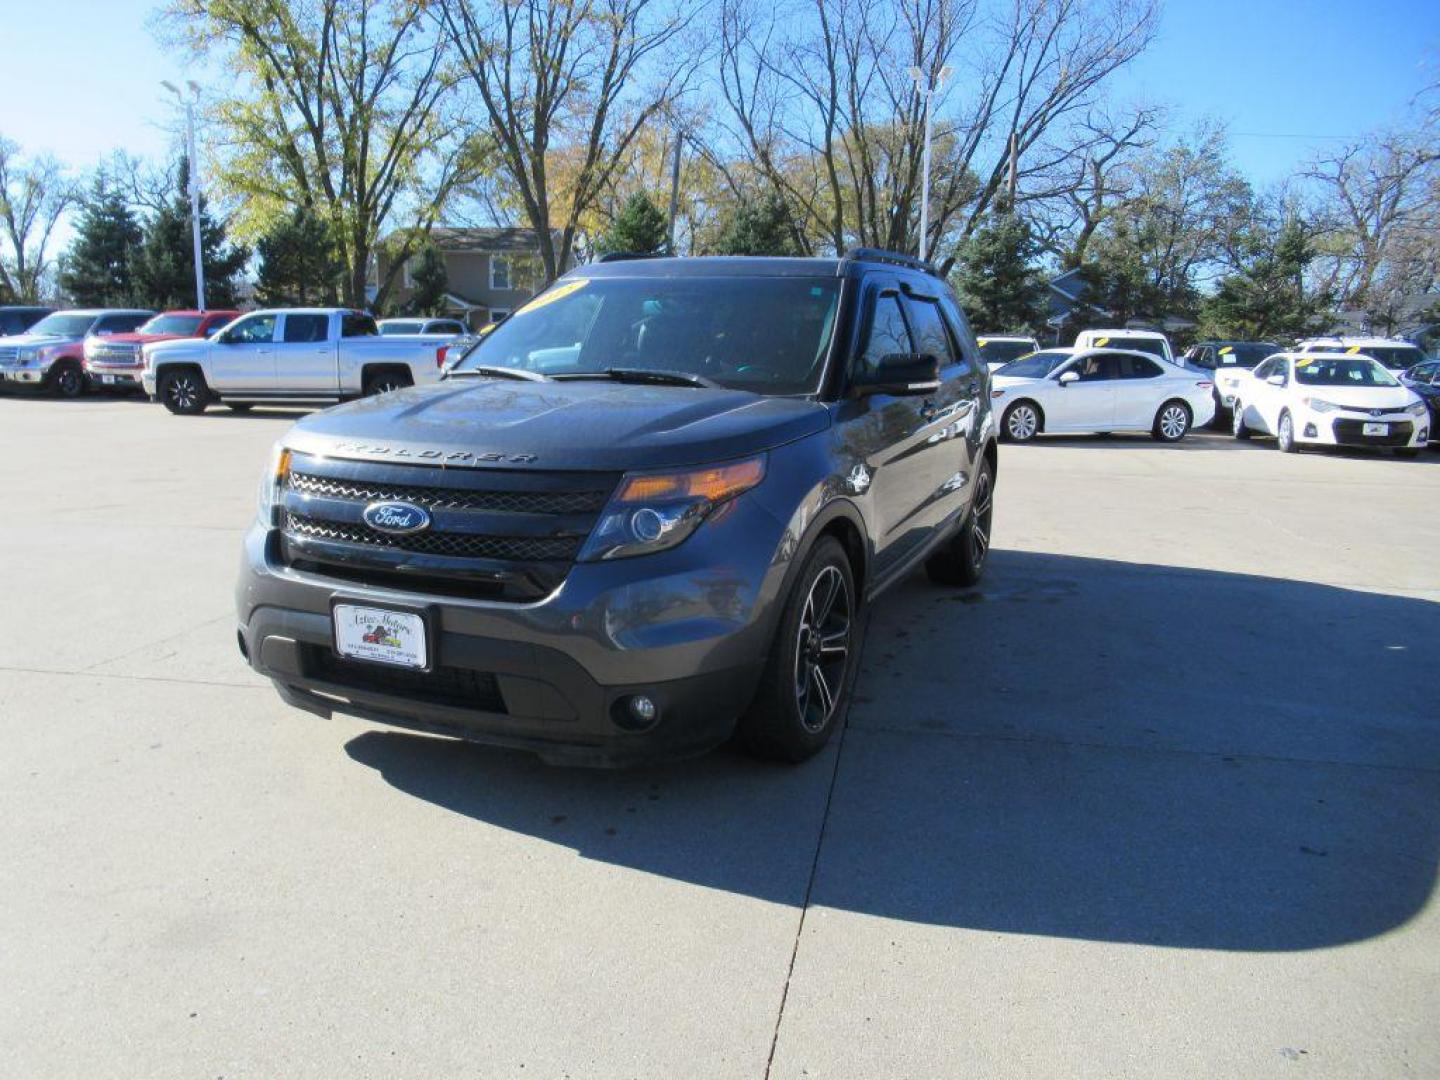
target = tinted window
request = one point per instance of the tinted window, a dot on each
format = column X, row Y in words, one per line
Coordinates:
column 11, row 323
column 64, row 325
column 1035, row 366
column 1246, row 354
column 1203, row 356
column 391, row 326
column 1098, row 367
column 252, row 330
column 307, row 327
column 888, row 334
column 929, row 330
column 1394, row 357
column 172, row 324
column 1002, row 352
column 120, row 324
column 1357, row 372
column 1137, row 367
column 358, row 324
column 444, row 326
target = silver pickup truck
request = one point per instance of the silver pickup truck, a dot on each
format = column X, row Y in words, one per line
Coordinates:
column 291, row 356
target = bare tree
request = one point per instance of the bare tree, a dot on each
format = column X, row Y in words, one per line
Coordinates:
column 560, row 82
column 34, row 195
column 343, row 113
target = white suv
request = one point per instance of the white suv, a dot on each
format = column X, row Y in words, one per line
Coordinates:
column 1146, row 341
column 1392, row 353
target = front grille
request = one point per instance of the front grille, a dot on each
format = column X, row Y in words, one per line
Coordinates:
column 451, row 545
column 436, row 498
column 9, row 354
column 506, row 534
column 115, row 354
column 1352, row 433
column 458, row 688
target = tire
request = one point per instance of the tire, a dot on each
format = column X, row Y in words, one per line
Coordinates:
column 1021, row 423
column 961, row 562
column 793, row 714
column 1237, row 422
column 240, row 407
column 67, row 380
column 385, row 382
column 1285, row 434
column 184, row 392
column 1172, row 422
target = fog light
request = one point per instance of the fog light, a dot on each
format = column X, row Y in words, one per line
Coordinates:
column 1310, row 432
column 643, row 709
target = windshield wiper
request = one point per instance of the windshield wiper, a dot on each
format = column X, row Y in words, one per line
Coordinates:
column 646, row 375
column 500, row 373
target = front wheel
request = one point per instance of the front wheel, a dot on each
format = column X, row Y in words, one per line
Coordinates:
column 68, row 381
column 1021, row 423
column 1285, row 435
column 806, row 685
column 1171, row 422
column 184, row 392
column 961, row 562
column 1237, row 421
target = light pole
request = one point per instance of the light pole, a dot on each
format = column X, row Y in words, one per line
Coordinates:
column 927, row 88
column 192, row 177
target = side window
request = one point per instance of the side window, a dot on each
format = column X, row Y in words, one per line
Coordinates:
column 358, row 324
column 968, row 352
column 252, row 330
column 1205, row 358
column 888, row 333
column 929, row 330
column 10, row 324
column 499, row 272
column 302, row 328
column 1098, row 367
column 1137, row 367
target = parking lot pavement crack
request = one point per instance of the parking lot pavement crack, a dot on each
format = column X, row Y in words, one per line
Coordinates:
column 87, row 674
column 1156, row 751
column 147, row 646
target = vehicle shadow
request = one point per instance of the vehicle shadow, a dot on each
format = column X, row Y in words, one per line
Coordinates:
column 1081, row 748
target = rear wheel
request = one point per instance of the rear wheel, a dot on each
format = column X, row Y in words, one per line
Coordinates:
column 67, row 380
column 962, row 561
column 805, row 689
column 385, row 382
column 1285, row 435
column 1172, row 422
column 1022, row 422
column 184, row 392
column 1237, row 422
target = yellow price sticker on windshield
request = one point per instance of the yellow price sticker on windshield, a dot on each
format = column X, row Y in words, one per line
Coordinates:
column 1302, row 363
column 1353, row 350
column 983, row 342
column 559, row 292
column 1227, row 350
column 1100, row 343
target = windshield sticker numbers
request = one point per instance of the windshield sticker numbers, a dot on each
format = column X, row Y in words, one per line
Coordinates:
column 1226, row 350
column 559, row 292
column 1100, row 343
column 983, row 342
column 1353, row 350
column 1304, row 362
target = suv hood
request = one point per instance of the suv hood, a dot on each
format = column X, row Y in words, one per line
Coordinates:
column 38, row 339
column 583, row 425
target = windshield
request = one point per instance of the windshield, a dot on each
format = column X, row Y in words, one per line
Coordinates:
column 1357, row 372
column 63, row 325
column 766, row 334
column 1002, row 352
column 388, row 328
column 181, row 325
column 1394, row 357
column 1153, row 346
column 1035, row 366
column 1246, row 354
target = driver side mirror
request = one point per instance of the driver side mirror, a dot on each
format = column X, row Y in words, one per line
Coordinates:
column 901, row 375
column 1067, row 377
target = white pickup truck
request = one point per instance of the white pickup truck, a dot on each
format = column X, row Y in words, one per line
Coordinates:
column 290, row 356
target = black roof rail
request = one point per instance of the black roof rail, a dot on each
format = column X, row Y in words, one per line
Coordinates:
column 895, row 258
column 627, row 256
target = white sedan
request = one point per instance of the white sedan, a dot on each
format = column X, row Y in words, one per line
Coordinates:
column 1087, row 390
column 1329, row 399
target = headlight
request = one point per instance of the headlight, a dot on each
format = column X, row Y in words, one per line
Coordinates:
column 1321, row 405
column 1416, row 408
column 271, row 482
column 654, row 511
column 27, row 356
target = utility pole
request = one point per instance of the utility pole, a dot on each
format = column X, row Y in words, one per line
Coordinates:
column 1014, row 169
column 192, row 181
column 927, row 88
column 674, row 191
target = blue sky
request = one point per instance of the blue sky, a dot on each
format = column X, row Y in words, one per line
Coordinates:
column 82, row 76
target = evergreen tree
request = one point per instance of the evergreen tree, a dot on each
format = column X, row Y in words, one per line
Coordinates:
column 299, row 264
column 640, row 228
column 427, row 272
column 165, row 269
column 1000, row 285
column 99, row 267
column 758, row 227
column 1267, row 300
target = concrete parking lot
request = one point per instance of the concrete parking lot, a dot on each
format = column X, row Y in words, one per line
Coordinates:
column 1161, row 798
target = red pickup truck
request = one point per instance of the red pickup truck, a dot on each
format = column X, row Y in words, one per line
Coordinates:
column 117, row 360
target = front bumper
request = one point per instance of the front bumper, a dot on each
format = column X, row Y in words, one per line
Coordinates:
column 1347, row 427
column 126, row 377
column 23, row 375
column 689, row 628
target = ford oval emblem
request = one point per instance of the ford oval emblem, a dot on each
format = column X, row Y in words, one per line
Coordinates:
column 396, row 518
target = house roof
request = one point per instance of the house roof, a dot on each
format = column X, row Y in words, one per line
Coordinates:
column 447, row 238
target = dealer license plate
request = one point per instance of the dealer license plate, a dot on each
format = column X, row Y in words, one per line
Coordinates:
column 381, row 635
column 107, row 380
column 1377, row 429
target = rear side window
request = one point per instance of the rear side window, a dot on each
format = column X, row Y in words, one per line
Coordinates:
column 929, row 330
column 1098, row 367
column 1137, row 367
column 888, row 334
column 305, row 328
column 358, row 324
column 1203, row 357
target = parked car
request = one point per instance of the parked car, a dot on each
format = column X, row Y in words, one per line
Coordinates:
column 16, row 319
column 647, row 508
column 1146, row 341
column 118, row 361
column 1424, row 380
column 1226, row 361
column 1065, row 391
column 447, row 327
column 291, row 356
column 998, row 350
column 1330, row 399
column 1392, row 353
column 51, row 354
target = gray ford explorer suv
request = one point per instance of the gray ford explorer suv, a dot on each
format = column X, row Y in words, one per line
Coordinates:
column 644, row 513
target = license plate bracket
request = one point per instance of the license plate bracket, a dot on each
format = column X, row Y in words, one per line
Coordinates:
column 1372, row 428
column 382, row 634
